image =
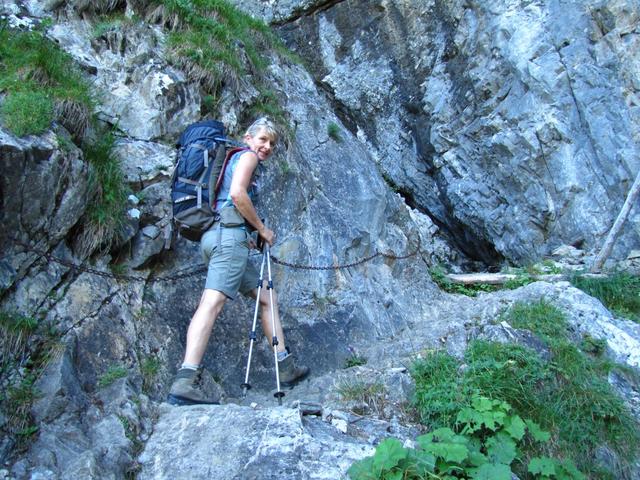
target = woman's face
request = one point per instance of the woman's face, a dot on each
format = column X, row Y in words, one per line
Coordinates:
column 261, row 143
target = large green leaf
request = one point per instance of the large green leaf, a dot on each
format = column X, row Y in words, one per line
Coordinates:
column 388, row 454
column 542, row 466
column 476, row 457
column 362, row 470
column 424, row 462
column 491, row 471
column 536, row 432
column 515, row 426
column 501, row 448
column 568, row 471
column 446, row 444
column 474, row 419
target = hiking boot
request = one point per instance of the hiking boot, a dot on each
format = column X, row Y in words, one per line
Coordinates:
column 187, row 389
column 290, row 373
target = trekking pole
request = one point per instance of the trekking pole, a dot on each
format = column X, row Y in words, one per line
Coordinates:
column 252, row 336
column 279, row 393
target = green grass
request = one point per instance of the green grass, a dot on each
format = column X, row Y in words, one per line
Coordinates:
column 38, row 78
column 216, row 43
column 27, row 113
column 15, row 332
column 620, row 293
column 267, row 104
column 43, row 85
column 215, row 32
column 16, row 402
column 150, row 367
column 26, row 347
column 540, row 317
column 105, row 213
column 333, row 130
column 355, row 361
column 113, row 373
column 569, row 396
column 112, row 22
column 371, row 394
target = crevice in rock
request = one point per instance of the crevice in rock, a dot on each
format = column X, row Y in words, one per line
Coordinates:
column 306, row 12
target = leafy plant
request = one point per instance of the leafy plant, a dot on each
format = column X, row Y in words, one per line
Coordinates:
column 484, row 444
column 620, row 292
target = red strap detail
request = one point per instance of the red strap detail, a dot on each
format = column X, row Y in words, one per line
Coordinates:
column 230, row 154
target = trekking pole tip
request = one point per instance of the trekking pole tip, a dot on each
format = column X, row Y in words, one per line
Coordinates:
column 245, row 387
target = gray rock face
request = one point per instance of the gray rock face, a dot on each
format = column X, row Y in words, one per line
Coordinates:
column 515, row 126
column 44, row 193
column 140, row 93
column 256, row 444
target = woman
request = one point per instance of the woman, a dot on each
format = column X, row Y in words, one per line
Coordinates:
column 225, row 248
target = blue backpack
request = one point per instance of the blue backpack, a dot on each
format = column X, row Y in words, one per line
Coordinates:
column 202, row 156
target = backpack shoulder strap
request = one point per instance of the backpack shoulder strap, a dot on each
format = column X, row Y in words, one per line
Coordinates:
column 230, row 153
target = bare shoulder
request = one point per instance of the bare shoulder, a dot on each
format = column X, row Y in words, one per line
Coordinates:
column 249, row 155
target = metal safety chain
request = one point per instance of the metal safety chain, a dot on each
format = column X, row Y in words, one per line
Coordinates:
column 192, row 271
column 392, row 256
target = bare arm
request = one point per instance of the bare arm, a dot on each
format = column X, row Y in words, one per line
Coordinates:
column 239, row 195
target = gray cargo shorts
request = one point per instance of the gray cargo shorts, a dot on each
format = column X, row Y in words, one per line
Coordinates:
column 226, row 253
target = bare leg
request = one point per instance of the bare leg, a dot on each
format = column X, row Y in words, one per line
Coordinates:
column 201, row 325
column 265, row 316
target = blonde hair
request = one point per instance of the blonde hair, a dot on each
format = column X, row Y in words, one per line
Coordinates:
column 263, row 123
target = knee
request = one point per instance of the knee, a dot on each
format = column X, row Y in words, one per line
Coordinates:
column 211, row 304
column 265, row 300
